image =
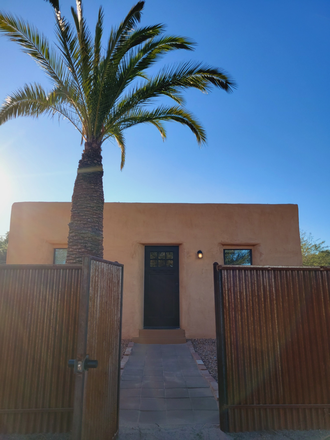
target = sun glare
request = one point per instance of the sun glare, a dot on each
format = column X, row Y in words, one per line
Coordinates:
column 6, row 184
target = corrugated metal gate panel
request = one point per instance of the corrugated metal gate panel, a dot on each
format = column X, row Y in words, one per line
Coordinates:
column 100, row 416
column 277, row 340
column 38, row 328
column 96, row 397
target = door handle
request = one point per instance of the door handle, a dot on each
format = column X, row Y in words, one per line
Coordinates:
column 81, row 366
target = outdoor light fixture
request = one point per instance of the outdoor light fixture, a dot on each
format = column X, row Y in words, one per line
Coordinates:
column 199, row 254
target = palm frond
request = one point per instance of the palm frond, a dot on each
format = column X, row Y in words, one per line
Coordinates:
column 160, row 127
column 195, row 75
column 69, row 48
column 55, row 4
column 32, row 100
column 134, row 65
column 84, row 58
column 169, row 83
column 97, row 45
column 119, row 35
column 130, row 21
column 34, row 44
column 161, row 113
column 118, row 135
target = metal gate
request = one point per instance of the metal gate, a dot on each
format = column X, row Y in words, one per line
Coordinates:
column 96, row 401
column 39, row 307
column 273, row 341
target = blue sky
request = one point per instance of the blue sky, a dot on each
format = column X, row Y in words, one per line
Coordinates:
column 268, row 142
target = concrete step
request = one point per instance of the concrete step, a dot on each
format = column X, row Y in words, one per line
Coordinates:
column 161, row 336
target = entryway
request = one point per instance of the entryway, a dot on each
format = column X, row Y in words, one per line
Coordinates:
column 161, row 287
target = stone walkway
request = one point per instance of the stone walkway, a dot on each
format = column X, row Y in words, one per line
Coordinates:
column 161, row 386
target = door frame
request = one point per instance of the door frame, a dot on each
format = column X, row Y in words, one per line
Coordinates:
column 178, row 281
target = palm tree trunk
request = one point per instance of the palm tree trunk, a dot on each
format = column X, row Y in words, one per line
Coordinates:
column 86, row 223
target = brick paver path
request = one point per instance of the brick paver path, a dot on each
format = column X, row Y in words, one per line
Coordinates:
column 161, row 385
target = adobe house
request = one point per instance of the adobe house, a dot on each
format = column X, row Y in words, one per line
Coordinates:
column 166, row 283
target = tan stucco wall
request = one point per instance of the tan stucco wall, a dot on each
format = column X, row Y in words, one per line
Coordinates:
column 271, row 231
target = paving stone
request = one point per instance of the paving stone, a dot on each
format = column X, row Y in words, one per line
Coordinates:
column 152, row 383
column 176, row 392
column 180, row 403
column 130, row 384
column 214, row 385
column 153, row 404
column 209, row 417
column 173, row 363
column 129, row 417
column 200, row 392
column 131, row 377
column 171, row 369
column 180, row 417
column 129, row 402
column 152, row 392
column 175, row 383
column 161, row 386
column 189, row 372
column 169, row 375
column 153, row 372
column 207, row 403
column 196, row 382
column 185, row 365
column 153, row 418
column 133, row 371
column 201, row 367
column 132, row 392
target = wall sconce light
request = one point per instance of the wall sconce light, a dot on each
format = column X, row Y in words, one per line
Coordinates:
column 199, row 254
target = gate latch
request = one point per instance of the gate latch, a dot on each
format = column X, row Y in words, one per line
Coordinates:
column 81, row 366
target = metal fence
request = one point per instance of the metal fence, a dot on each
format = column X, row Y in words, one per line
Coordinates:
column 38, row 329
column 273, row 340
column 48, row 315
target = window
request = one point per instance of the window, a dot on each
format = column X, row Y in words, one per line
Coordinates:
column 60, row 256
column 237, row 257
column 161, row 259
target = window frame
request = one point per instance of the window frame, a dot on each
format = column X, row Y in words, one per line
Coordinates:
column 237, row 249
column 54, row 253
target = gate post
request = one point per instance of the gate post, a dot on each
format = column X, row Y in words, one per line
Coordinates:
column 221, row 348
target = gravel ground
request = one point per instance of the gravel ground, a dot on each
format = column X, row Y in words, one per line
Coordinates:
column 124, row 344
column 207, row 350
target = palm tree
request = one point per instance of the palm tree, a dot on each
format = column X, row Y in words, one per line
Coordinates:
column 102, row 93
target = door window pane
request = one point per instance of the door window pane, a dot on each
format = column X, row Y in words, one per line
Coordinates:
column 161, row 255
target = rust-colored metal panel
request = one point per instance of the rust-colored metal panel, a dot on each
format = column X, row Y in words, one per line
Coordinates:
column 38, row 316
column 99, row 334
column 276, row 324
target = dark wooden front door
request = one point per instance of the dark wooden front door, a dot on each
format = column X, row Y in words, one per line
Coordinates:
column 161, row 291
